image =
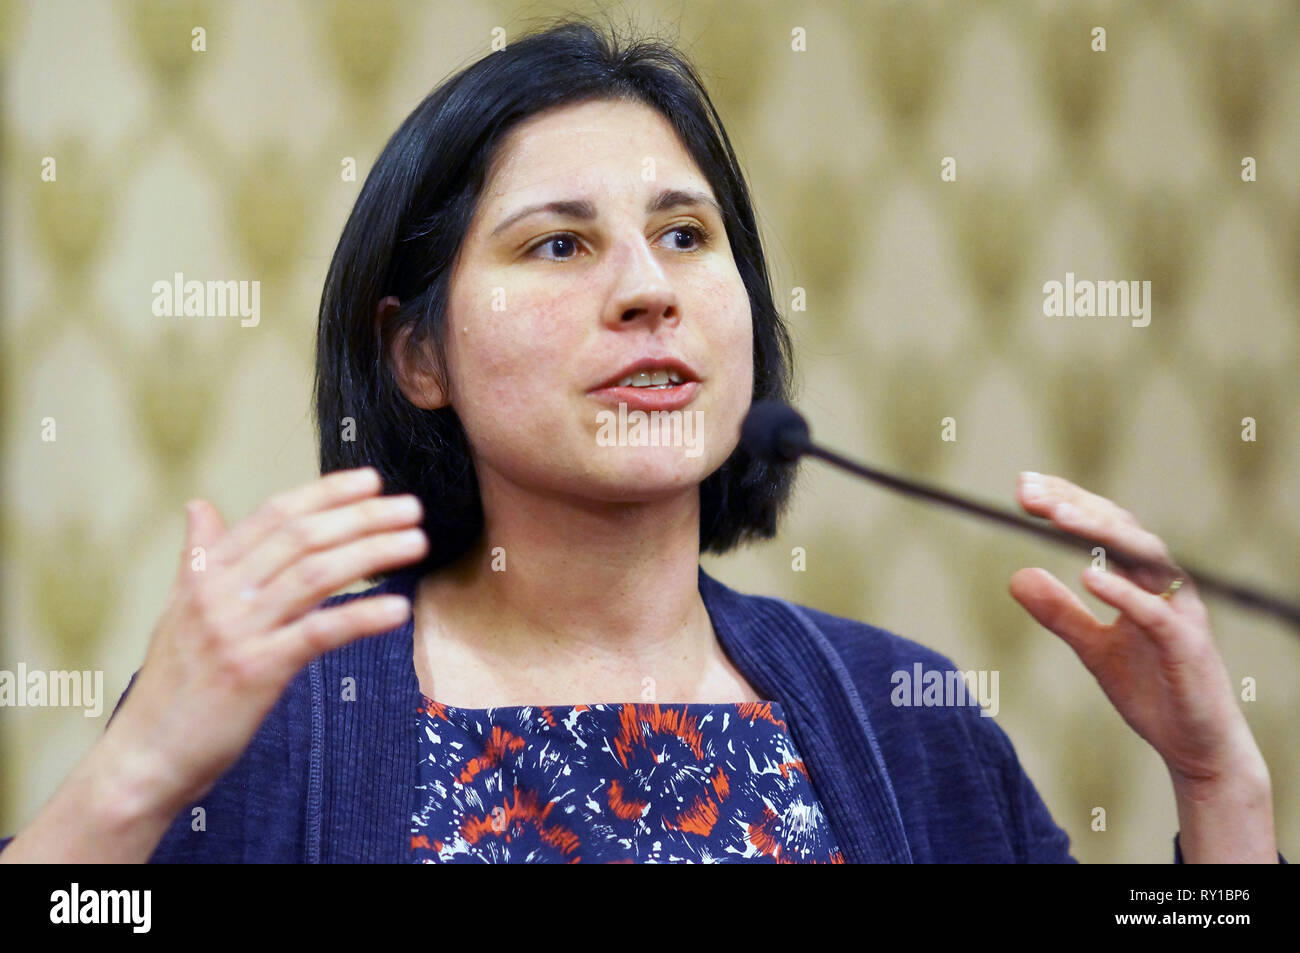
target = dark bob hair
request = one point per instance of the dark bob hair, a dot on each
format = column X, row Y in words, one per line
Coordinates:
column 402, row 239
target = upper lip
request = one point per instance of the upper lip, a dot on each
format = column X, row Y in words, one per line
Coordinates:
column 652, row 363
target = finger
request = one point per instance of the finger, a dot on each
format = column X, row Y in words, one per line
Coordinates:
column 313, row 532
column 1151, row 613
column 203, row 528
column 329, row 491
column 1040, row 493
column 1100, row 520
column 1055, row 607
column 1158, row 581
column 1157, row 568
column 1109, row 530
column 313, row 578
column 320, row 631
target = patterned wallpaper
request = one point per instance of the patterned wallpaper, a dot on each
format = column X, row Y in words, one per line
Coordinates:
column 920, row 170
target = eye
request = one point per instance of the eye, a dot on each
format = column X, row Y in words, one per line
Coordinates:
column 565, row 238
column 701, row 236
column 699, row 231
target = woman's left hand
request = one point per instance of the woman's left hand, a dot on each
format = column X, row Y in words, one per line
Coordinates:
column 1159, row 666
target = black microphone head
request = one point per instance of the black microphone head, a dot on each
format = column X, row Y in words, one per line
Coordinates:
column 775, row 432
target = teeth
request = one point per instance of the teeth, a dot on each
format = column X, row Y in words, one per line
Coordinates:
column 659, row 377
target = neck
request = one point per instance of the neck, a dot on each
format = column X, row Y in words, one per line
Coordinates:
column 563, row 575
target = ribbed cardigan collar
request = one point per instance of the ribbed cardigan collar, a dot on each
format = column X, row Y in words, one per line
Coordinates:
column 364, row 742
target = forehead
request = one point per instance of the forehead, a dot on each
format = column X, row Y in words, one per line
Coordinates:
column 594, row 146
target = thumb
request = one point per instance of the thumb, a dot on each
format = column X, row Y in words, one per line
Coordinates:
column 203, row 527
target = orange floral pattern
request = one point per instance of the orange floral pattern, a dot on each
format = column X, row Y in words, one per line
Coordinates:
column 648, row 783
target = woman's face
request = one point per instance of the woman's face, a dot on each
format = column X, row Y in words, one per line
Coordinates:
column 548, row 308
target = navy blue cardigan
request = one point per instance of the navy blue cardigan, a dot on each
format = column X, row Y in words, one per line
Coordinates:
column 328, row 779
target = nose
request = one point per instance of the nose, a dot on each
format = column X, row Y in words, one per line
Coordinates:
column 642, row 294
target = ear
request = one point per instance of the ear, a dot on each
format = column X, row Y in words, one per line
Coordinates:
column 419, row 385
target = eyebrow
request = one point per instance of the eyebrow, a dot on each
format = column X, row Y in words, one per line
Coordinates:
column 584, row 209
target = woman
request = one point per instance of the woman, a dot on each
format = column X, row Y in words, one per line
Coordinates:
column 543, row 672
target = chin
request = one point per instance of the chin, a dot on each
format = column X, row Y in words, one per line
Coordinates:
column 648, row 474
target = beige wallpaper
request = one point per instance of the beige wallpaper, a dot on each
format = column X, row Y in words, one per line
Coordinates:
column 912, row 299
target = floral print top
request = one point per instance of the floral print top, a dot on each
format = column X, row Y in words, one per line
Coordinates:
column 614, row 783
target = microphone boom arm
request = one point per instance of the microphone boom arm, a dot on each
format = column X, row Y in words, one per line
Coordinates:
column 789, row 442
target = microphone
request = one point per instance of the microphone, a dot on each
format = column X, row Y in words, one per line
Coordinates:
column 777, row 433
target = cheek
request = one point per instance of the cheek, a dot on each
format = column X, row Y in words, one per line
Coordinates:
column 733, row 337
column 507, row 334
column 509, row 362
column 740, row 393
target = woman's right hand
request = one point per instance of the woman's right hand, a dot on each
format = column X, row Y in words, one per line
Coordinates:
column 241, row 619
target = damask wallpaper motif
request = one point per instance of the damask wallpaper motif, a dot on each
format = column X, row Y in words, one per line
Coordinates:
column 921, row 172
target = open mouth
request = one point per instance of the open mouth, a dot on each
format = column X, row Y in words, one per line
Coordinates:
column 649, row 384
column 654, row 379
column 649, row 391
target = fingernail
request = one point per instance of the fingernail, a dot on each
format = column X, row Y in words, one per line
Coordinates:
column 405, row 505
column 363, row 477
